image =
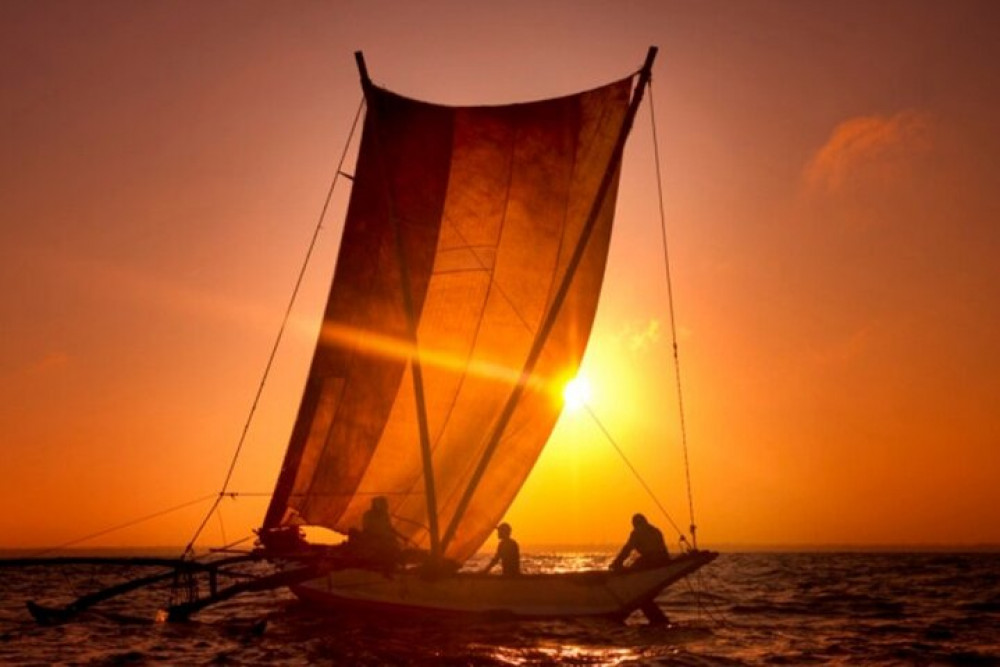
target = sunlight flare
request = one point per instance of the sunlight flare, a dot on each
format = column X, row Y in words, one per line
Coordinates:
column 576, row 393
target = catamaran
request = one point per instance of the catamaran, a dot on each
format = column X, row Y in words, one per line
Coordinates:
column 466, row 286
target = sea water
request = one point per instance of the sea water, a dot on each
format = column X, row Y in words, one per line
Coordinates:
column 743, row 609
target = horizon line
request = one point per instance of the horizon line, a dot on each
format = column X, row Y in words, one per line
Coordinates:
column 569, row 547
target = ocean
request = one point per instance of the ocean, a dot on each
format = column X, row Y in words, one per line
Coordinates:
column 743, row 609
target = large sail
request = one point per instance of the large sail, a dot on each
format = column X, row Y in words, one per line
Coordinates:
column 461, row 229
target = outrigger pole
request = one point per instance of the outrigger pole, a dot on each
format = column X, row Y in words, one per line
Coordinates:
column 53, row 615
column 300, row 568
column 557, row 301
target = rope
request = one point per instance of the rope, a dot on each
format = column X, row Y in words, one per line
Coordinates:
column 234, row 543
column 281, row 331
column 673, row 323
column 120, row 526
column 222, row 525
column 634, row 471
column 710, row 608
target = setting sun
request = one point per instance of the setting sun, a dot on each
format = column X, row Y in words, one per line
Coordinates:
column 577, row 393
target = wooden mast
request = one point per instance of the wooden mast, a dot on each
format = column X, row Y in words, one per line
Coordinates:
column 550, row 318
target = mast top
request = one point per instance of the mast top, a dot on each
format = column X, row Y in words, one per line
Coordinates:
column 366, row 81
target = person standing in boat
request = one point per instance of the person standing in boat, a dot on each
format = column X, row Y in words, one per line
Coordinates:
column 647, row 541
column 508, row 553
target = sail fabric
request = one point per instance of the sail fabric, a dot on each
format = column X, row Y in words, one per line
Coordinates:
column 460, row 230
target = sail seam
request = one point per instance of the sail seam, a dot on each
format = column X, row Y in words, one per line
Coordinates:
column 555, row 280
column 493, row 286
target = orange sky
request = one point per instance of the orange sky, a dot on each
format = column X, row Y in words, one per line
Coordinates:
column 831, row 180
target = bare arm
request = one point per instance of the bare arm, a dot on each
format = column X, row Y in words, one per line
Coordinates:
column 619, row 560
column 489, row 566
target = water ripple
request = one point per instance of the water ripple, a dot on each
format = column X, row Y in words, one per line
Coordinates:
column 745, row 609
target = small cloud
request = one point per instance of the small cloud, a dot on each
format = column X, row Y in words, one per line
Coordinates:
column 638, row 336
column 869, row 148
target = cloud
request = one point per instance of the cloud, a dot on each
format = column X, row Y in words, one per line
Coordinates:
column 638, row 336
column 865, row 149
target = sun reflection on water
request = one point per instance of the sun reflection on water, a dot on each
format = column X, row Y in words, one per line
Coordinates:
column 562, row 654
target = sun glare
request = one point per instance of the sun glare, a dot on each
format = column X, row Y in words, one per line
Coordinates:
column 576, row 394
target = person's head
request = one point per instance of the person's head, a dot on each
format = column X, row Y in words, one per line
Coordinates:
column 380, row 504
column 639, row 520
column 503, row 531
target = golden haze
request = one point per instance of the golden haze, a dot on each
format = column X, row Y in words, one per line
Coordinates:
column 830, row 175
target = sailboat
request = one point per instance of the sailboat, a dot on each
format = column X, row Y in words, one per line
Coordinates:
column 465, row 289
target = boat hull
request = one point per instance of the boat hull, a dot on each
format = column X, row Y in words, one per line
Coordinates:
column 591, row 593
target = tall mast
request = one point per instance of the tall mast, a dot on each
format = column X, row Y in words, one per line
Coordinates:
column 560, row 296
column 418, row 376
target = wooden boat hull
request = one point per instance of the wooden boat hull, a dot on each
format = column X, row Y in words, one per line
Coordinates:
column 592, row 593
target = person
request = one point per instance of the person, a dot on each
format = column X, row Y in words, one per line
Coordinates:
column 377, row 538
column 508, row 553
column 647, row 541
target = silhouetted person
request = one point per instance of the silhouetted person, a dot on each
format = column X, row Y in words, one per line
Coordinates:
column 378, row 539
column 508, row 553
column 645, row 540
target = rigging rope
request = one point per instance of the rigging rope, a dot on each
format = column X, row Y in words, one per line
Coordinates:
column 121, row 526
column 222, row 525
column 281, row 330
column 634, row 471
column 673, row 323
column 230, row 545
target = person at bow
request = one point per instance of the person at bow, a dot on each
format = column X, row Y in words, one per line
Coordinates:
column 646, row 542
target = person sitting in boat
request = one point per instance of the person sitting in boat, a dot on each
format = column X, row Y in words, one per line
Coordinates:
column 508, row 553
column 646, row 540
column 377, row 540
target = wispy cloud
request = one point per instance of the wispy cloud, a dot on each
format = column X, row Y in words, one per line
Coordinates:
column 865, row 148
column 639, row 336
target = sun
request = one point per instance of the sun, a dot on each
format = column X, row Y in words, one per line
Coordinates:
column 576, row 393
